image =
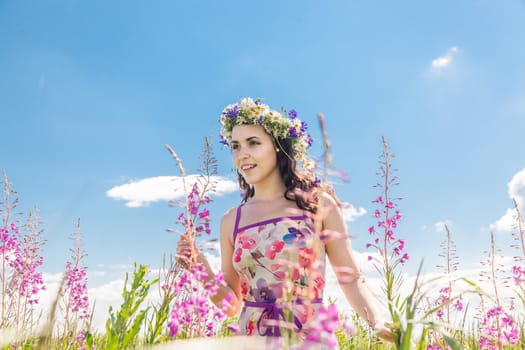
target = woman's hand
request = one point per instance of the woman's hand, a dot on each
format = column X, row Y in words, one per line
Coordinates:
column 383, row 331
column 187, row 254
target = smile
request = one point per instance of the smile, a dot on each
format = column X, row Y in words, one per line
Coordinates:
column 248, row 167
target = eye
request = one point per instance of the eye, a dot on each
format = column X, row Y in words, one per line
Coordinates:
column 234, row 147
column 253, row 143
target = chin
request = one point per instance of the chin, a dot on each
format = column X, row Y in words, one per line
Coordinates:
column 251, row 182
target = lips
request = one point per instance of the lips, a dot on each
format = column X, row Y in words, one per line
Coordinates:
column 247, row 167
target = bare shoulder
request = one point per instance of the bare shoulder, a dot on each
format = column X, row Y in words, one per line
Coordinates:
column 228, row 223
column 327, row 200
column 332, row 213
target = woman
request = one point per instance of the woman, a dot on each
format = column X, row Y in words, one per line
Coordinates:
column 274, row 245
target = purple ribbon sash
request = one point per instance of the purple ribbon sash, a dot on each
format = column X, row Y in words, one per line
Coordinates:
column 274, row 311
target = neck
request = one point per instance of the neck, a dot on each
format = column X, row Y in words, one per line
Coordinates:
column 270, row 190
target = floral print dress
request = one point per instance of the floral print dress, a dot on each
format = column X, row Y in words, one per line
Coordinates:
column 282, row 279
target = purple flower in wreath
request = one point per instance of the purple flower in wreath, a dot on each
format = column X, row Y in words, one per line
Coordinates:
column 223, row 141
column 292, row 114
column 263, row 293
column 232, row 112
column 293, row 132
column 309, row 140
column 304, row 126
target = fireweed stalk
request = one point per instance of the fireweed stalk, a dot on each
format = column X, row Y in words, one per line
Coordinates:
column 497, row 328
column 74, row 303
column 193, row 314
column 445, row 303
column 390, row 249
column 410, row 323
column 20, row 255
column 518, row 270
column 449, row 267
column 30, row 280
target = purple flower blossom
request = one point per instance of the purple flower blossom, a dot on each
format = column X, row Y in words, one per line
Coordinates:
column 304, row 126
column 324, row 325
column 518, row 275
column 293, row 132
column 437, row 347
column 390, row 249
column 292, row 114
column 309, row 140
column 458, row 305
column 232, row 111
column 223, row 141
column 193, row 308
column 378, row 200
column 498, row 329
column 76, row 290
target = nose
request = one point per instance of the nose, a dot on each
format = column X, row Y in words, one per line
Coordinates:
column 241, row 153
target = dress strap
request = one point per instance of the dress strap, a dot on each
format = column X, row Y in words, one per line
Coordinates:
column 237, row 219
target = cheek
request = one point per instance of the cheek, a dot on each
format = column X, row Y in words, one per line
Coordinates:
column 269, row 155
column 235, row 159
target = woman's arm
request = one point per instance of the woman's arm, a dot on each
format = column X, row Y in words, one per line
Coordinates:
column 341, row 257
column 231, row 277
column 232, row 286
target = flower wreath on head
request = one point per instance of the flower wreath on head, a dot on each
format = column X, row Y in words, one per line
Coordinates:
column 279, row 126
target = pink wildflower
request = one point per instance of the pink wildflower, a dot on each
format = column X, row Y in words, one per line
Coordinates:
column 325, row 324
column 498, row 329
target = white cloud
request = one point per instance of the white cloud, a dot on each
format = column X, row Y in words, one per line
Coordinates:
column 517, row 192
column 351, row 213
column 52, row 277
column 163, row 188
column 445, row 60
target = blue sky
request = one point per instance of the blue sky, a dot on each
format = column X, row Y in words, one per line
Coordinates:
column 90, row 92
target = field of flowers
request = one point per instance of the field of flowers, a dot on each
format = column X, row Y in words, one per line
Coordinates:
column 436, row 314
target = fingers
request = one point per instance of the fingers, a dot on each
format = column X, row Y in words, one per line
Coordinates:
column 385, row 334
column 185, row 252
column 383, row 331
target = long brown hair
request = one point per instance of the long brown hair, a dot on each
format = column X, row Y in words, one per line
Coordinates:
column 301, row 187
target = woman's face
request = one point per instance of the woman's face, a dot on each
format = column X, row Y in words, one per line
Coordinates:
column 254, row 153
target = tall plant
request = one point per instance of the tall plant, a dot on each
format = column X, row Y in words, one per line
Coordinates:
column 389, row 248
column 123, row 325
column 518, row 268
column 20, row 260
column 192, row 312
column 74, row 300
